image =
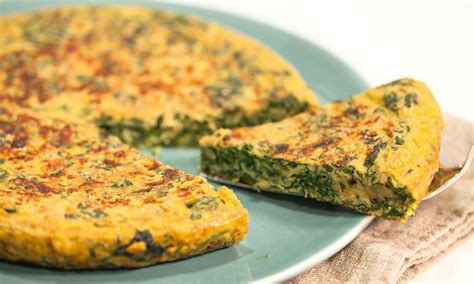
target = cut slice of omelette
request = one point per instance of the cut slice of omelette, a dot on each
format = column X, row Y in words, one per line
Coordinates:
column 146, row 76
column 375, row 153
column 73, row 197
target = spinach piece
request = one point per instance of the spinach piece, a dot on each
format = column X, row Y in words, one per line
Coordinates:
column 390, row 101
column 171, row 20
column 10, row 210
column 139, row 30
column 121, row 184
column 379, row 110
column 94, row 213
column 152, row 250
column 370, row 159
column 234, row 83
column 275, row 110
column 205, row 203
column 135, row 132
column 353, row 112
column 317, row 182
column 3, row 175
column 411, row 99
column 399, row 140
column 71, row 216
column 400, row 191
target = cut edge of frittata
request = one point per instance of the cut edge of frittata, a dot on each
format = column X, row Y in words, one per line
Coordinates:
column 376, row 152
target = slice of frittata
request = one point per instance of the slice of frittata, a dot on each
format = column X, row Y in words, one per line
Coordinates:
column 73, row 197
column 147, row 76
column 375, row 153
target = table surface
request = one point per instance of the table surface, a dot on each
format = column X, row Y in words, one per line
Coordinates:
column 384, row 40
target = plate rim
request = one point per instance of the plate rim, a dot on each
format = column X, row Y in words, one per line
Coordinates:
column 320, row 256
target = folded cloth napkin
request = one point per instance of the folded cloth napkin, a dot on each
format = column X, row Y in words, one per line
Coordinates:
column 394, row 252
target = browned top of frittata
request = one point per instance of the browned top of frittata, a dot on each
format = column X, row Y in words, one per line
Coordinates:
column 131, row 62
column 74, row 182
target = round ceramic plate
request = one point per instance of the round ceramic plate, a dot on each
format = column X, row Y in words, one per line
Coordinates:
column 287, row 235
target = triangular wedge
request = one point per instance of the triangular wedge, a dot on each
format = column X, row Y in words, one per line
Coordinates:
column 73, row 197
column 375, row 153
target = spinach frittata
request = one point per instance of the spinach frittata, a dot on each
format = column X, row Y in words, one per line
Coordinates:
column 375, row 153
column 72, row 197
column 147, row 76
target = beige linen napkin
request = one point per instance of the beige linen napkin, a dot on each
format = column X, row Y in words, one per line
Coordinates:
column 394, row 252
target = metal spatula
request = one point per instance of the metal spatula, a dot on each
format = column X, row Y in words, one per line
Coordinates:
column 443, row 179
column 446, row 177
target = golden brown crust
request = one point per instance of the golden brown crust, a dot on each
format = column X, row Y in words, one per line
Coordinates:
column 132, row 64
column 73, row 197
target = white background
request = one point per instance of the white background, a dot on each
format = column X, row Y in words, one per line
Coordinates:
column 385, row 40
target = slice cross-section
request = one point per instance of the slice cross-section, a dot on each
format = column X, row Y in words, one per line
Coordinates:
column 375, row 152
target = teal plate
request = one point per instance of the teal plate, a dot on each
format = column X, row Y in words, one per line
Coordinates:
column 287, row 235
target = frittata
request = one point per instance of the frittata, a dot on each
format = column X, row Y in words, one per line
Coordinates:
column 73, row 197
column 375, row 153
column 147, row 76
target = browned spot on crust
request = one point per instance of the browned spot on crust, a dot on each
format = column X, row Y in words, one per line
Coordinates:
column 43, row 188
column 307, row 150
column 236, row 134
column 185, row 191
column 344, row 161
column 63, row 137
column 57, row 174
column 8, row 127
column 353, row 112
column 324, row 143
column 90, row 183
column 154, row 166
column 119, row 154
column 109, row 201
column 54, row 164
column 155, row 183
column 170, row 174
column 280, row 149
column 368, row 136
column 311, row 111
column 143, row 190
column 111, row 163
column 389, row 129
column 27, row 184
column 372, row 121
column 98, row 149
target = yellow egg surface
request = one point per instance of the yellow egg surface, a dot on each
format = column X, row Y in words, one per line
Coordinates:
column 74, row 197
column 147, row 76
